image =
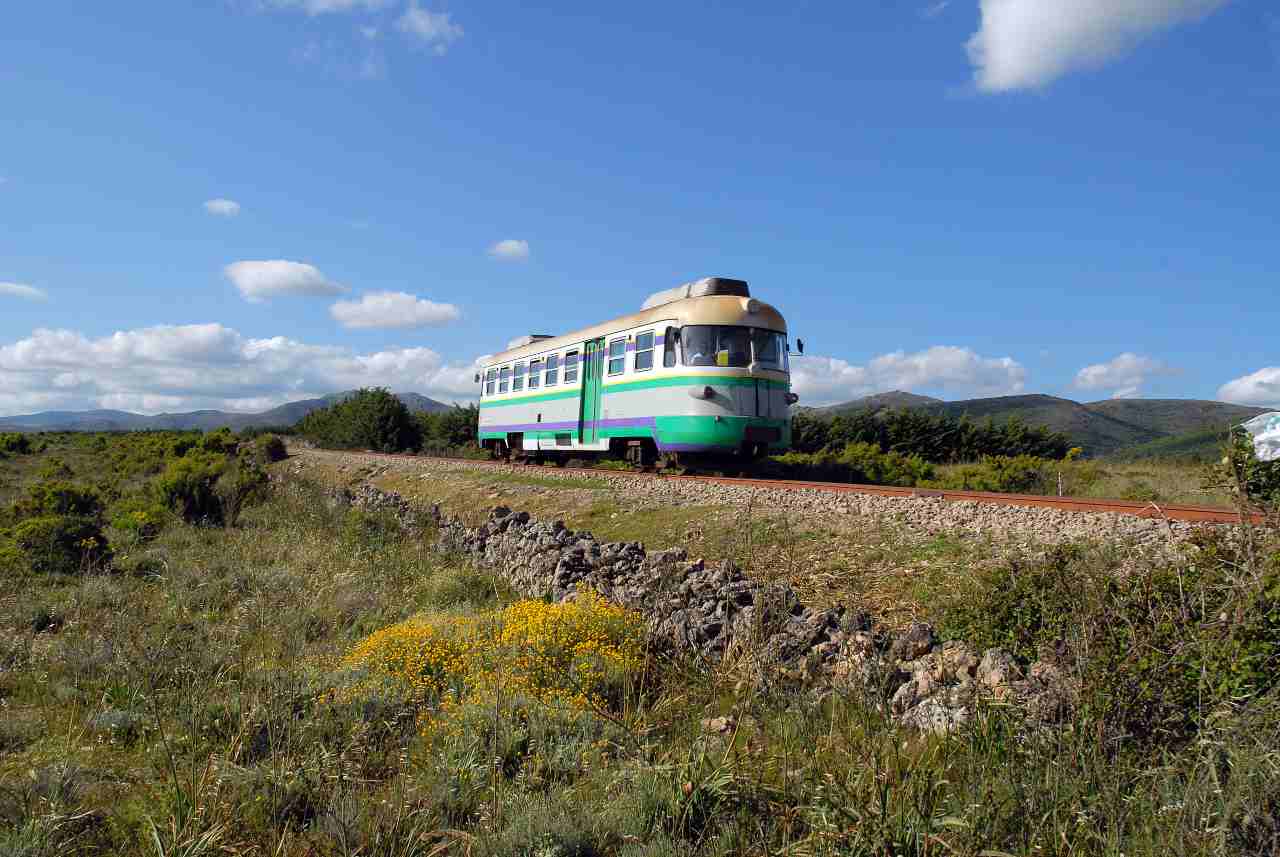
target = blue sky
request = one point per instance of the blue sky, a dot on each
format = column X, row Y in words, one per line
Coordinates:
column 233, row 204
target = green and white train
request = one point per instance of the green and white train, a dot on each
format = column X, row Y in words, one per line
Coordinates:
column 702, row 369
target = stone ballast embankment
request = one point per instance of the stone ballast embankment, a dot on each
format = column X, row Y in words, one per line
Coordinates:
column 716, row 614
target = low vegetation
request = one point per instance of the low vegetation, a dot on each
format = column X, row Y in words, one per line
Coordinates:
column 374, row 419
column 306, row 679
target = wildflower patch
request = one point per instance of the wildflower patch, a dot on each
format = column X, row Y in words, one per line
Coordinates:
column 578, row 655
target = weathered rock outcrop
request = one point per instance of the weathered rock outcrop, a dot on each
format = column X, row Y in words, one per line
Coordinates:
column 713, row 612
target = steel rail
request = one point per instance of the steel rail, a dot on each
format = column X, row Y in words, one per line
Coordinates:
column 1135, row 508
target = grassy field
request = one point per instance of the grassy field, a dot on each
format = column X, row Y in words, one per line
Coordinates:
column 238, row 690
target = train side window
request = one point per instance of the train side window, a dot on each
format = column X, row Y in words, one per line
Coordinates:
column 571, row 367
column 553, row 369
column 617, row 356
column 489, row 378
column 644, row 351
column 504, row 379
column 518, row 384
column 535, row 374
column 670, row 341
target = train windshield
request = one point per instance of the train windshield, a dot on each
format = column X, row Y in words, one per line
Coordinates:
column 716, row 345
column 769, row 349
column 727, row 345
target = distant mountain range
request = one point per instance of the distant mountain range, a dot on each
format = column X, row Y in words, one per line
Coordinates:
column 284, row 415
column 1102, row 428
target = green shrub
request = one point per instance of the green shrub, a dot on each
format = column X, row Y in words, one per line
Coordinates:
column 934, row 437
column 58, row 497
column 64, row 544
column 1023, row 474
column 857, row 463
column 139, row 518
column 369, row 419
column 1158, row 648
column 187, row 486
column 14, row 443
column 242, row 482
column 270, row 448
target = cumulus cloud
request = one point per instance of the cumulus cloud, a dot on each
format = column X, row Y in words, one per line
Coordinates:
column 433, row 29
column 1124, row 374
column 260, row 280
column 222, row 207
column 825, row 380
column 510, row 250
column 1261, row 388
column 184, row 367
column 19, row 290
column 1024, row 44
column 393, row 309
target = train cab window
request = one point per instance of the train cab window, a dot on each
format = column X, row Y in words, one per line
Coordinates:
column 504, row 379
column 617, row 356
column 644, row 351
column 670, row 342
column 769, row 349
column 716, row 345
column 489, row 378
column 571, row 367
column 535, row 374
column 518, row 383
column 553, row 369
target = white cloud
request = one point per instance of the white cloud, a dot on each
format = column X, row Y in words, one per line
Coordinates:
column 369, row 32
column 1261, row 388
column 933, row 10
column 430, row 28
column 19, row 290
column 1025, row 44
column 186, row 367
column 324, row 7
column 824, row 380
column 393, row 309
column 260, row 280
column 222, row 207
column 1124, row 374
column 510, row 250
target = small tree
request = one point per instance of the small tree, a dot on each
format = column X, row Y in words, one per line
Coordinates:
column 369, row 419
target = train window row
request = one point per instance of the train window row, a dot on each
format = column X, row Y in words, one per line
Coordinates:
column 540, row 372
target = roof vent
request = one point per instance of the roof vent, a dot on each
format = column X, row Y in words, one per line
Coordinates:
column 699, row 288
column 522, row 341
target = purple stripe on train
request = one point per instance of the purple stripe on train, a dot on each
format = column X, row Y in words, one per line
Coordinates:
column 628, row 422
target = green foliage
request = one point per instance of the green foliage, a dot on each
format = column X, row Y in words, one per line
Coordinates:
column 187, row 486
column 454, row 429
column 64, row 544
column 935, row 438
column 58, row 498
column 856, row 462
column 139, row 518
column 370, row 419
column 242, row 482
column 269, row 448
column 14, row 443
column 1158, row 648
column 1023, row 474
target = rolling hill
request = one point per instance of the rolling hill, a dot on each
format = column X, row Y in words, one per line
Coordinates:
column 1101, row 428
column 106, row 420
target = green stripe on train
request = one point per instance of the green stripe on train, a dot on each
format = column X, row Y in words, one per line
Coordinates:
column 647, row 384
column 701, row 430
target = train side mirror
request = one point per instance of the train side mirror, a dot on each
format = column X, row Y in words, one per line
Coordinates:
column 800, row 345
column 477, row 377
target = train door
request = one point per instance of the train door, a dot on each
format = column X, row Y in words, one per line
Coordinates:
column 592, row 372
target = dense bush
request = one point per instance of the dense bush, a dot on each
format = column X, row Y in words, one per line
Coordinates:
column 1158, row 648
column 139, row 518
column 1023, row 474
column 269, row 448
column 187, row 486
column 63, row 544
column 857, row 463
column 14, row 443
column 454, row 429
column 935, row 438
column 370, row 419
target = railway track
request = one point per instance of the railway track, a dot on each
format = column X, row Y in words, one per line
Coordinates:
column 1164, row 511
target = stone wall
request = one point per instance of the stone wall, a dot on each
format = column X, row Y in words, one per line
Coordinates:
column 716, row 614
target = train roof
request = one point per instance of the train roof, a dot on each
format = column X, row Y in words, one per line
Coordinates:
column 709, row 309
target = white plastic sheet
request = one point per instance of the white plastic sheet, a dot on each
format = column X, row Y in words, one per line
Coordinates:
column 1265, row 429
